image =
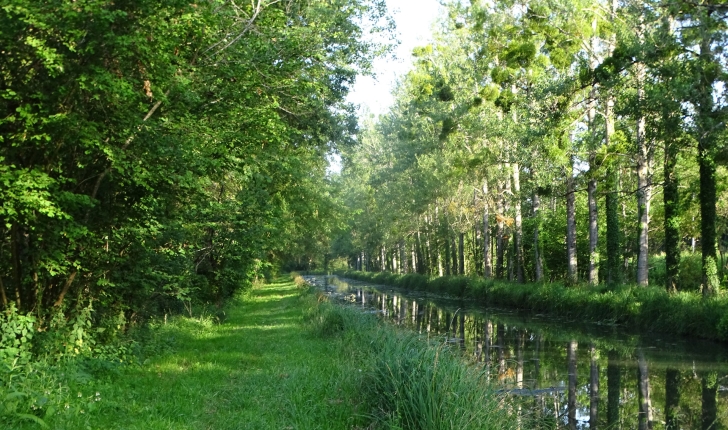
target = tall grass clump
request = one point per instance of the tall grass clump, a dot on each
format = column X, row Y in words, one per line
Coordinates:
column 406, row 381
column 413, row 384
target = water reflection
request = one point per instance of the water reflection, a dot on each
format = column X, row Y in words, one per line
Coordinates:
column 556, row 369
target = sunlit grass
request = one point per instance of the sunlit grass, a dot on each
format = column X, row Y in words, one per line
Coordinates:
column 260, row 369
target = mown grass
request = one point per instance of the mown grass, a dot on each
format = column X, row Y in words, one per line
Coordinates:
column 644, row 308
column 261, row 369
column 284, row 358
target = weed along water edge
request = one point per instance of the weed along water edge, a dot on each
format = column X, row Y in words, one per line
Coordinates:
column 560, row 373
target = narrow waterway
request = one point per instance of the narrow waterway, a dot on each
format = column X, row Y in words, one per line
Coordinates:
column 567, row 374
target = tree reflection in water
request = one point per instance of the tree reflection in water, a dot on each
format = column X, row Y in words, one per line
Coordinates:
column 666, row 383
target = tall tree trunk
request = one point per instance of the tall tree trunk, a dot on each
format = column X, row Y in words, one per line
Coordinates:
column 706, row 161
column 644, row 185
column 461, row 254
column 537, row 257
column 614, row 389
column 487, row 258
column 672, row 399
column 614, row 232
column 17, row 266
column 518, row 233
column 446, row 247
column 499, row 233
column 592, row 183
column 672, row 218
column 571, row 405
column 643, row 385
column 455, row 265
column 573, row 273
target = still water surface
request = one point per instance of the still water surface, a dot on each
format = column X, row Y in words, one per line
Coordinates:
column 571, row 374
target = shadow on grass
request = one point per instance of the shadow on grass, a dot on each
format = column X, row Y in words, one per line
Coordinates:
column 258, row 370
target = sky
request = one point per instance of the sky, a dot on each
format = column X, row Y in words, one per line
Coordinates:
column 414, row 19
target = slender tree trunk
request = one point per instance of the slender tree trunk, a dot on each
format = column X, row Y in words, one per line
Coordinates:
column 672, row 218
column 672, row 399
column 592, row 183
column 537, row 257
column 573, row 273
column 518, row 233
column 414, row 256
column 455, row 265
column 706, row 162
column 461, row 254
column 16, row 265
column 614, row 232
column 644, row 186
column 487, row 258
column 448, row 263
column 507, row 208
column 499, row 233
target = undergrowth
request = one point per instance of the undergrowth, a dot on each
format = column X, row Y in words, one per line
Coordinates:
column 53, row 373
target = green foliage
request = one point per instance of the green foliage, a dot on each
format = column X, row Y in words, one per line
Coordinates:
column 17, row 332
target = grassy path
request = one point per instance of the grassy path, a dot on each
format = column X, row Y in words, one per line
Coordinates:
column 260, row 369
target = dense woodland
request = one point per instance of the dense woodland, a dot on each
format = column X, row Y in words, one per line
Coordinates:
column 558, row 140
column 159, row 153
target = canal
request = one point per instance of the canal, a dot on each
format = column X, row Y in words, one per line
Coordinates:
column 572, row 374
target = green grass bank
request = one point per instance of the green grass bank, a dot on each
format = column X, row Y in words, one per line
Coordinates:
column 283, row 358
column 643, row 308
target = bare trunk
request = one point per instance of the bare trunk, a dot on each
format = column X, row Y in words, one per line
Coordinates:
column 487, row 260
column 592, row 184
column 499, row 234
column 65, row 289
column 518, row 234
column 573, row 275
column 537, row 257
column 644, row 187
column 461, row 254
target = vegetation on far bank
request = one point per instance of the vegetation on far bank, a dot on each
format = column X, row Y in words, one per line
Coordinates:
column 648, row 309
